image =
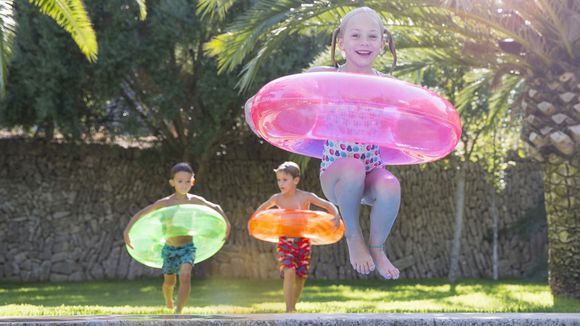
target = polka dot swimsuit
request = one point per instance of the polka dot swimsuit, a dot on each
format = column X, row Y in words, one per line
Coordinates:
column 368, row 154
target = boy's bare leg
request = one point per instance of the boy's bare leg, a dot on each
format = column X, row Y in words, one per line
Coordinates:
column 184, row 287
column 298, row 286
column 289, row 289
column 168, row 286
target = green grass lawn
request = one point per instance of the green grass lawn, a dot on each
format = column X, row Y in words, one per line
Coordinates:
column 225, row 296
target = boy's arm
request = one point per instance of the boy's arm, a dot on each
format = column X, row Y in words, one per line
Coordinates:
column 271, row 202
column 228, row 224
column 328, row 206
column 219, row 209
column 158, row 204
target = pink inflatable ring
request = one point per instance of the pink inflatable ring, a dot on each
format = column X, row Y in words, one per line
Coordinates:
column 298, row 113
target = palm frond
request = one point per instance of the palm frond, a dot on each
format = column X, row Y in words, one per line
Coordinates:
column 477, row 82
column 414, row 58
column 142, row 9
column 3, row 64
column 479, row 88
column 251, row 69
column 301, row 160
column 268, row 23
column 489, row 17
column 233, row 47
column 425, row 24
column 73, row 17
column 215, row 10
column 7, row 31
column 558, row 11
column 504, row 97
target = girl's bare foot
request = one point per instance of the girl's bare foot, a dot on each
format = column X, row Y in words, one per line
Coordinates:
column 360, row 258
column 169, row 304
column 384, row 266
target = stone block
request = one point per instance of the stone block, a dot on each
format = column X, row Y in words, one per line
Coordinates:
column 62, row 267
column 59, row 215
column 61, row 246
column 59, row 256
column 54, row 277
column 76, row 277
column 97, row 272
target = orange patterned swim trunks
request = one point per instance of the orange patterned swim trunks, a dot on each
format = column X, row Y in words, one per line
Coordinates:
column 294, row 253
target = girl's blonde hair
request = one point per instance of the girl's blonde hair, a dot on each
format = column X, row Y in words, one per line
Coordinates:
column 338, row 32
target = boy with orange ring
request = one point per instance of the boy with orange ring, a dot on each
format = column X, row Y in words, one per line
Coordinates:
column 294, row 253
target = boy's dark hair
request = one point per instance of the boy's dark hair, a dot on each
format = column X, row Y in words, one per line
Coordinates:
column 289, row 167
column 181, row 167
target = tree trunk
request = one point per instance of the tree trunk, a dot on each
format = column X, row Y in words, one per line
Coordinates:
column 495, row 228
column 562, row 192
column 459, row 209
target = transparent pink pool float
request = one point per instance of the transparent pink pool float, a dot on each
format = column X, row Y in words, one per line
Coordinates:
column 298, row 113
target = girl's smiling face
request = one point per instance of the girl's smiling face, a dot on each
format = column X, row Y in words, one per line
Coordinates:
column 362, row 40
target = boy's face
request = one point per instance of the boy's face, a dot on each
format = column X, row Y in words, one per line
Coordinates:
column 362, row 40
column 182, row 182
column 286, row 182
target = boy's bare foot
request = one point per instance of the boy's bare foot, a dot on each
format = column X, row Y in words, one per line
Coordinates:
column 360, row 257
column 384, row 266
column 178, row 310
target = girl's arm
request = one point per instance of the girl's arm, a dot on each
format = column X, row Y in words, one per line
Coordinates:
column 321, row 69
column 247, row 107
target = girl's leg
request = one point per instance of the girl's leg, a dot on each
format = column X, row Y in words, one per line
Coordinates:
column 289, row 284
column 382, row 189
column 343, row 183
column 184, row 287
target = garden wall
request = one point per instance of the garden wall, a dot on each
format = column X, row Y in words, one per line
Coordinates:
column 63, row 208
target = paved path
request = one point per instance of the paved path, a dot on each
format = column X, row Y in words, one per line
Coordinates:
column 511, row 319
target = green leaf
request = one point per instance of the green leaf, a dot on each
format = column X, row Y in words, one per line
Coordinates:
column 73, row 17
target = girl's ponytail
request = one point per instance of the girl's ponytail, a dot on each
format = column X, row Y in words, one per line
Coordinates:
column 333, row 47
column 391, row 43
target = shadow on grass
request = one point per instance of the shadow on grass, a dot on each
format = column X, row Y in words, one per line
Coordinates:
column 204, row 292
column 435, row 295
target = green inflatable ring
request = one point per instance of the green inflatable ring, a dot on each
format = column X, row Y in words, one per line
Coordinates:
column 148, row 234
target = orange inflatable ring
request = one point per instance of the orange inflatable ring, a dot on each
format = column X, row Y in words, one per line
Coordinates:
column 319, row 227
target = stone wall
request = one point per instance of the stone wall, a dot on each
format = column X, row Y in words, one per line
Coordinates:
column 63, row 208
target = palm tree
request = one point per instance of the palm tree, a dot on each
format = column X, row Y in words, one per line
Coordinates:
column 540, row 41
column 533, row 42
column 71, row 15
